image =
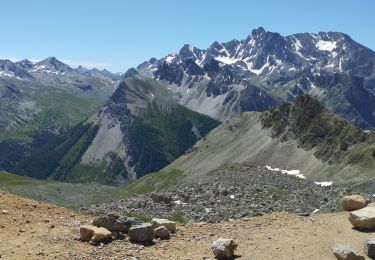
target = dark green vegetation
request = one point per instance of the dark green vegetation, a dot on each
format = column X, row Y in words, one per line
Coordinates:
column 163, row 136
column 59, row 155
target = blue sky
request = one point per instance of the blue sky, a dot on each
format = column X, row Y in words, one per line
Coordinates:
column 117, row 34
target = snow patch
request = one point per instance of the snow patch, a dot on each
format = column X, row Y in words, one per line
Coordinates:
column 289, row 172
column 324, row 183
column 179, row 202
column 325, row 45
column 6, row 74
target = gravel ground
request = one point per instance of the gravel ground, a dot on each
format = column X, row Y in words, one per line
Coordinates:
column 234, row 192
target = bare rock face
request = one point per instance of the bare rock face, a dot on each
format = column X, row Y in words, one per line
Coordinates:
column 353, row 202
column 363, row 218
column 93, row 233
column 346, row 252
column 170, row 225
column 223, row 248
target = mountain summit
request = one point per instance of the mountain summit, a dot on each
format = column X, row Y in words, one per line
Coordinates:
column 266, row 68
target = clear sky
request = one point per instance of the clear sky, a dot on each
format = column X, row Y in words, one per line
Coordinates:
column 118, row 34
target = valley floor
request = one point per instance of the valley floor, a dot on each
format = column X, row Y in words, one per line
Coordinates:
column 33, row 230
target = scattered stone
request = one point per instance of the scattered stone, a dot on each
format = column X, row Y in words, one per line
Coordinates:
column 141, row 233
column 345, row 252
column 93, row 233
column 170, row 225
column 363, row 218
column 223, row 248
column 110, row 222
column 370, row 248
column 162, row 233
column 353, row 202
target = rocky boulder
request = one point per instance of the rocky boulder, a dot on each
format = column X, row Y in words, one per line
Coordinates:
column 162, row 233
column 93, row 233
column 158, row 222
column 353, row 202
column 113, row 223
column 346, row 252
column 141, row 233
column 223, row 248
column 363, row 218
column 369, row 246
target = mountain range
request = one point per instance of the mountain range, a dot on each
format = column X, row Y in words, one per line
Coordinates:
column 44, row 99
column 311, row 98
column 267, row 68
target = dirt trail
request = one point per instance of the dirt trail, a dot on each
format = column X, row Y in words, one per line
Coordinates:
column 26, row 232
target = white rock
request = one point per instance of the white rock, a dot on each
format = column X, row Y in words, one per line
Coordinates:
column 363, row 218
column 224, row 248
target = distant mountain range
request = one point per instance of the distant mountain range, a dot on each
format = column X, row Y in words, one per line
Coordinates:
column 45, row 70
column 23, row 84
column 44, row 99
column 162, row 107
column 266, row 68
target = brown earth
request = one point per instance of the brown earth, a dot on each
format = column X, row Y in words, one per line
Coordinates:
column 26, row 232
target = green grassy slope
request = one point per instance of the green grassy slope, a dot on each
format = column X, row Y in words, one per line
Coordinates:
column 323, row 148
column 59, row 193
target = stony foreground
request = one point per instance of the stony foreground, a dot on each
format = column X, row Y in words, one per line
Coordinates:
column 32, row 230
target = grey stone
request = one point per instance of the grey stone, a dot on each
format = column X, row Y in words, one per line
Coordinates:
column 123, row 224
column 370, row 248
column 223, row 248
column 141, row 233
column 120, row 224
column 346, row 252
column 162, row 232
